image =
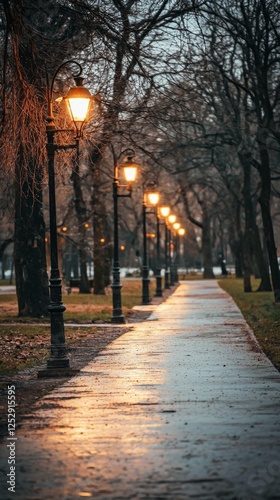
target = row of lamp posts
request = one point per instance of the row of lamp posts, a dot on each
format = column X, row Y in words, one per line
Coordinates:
column 172, row 229
column 79, row 100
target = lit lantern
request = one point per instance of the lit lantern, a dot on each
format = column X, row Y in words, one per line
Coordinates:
column 164, row 211
column 78, row 100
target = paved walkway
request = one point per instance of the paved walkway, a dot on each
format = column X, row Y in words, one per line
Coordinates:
column 183, row 406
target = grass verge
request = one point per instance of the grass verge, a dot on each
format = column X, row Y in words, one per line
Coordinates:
column 260, row 312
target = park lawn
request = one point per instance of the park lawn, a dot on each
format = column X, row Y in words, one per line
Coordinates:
column 24, row 342
column 261, row 314
column 81, row 308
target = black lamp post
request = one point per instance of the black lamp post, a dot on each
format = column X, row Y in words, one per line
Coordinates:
column 176, row 227
column 181, row 233
column 171, row 219
column 78, row 101
column 130, row 172
column 150, row 199
column 158, row 268
column 164, row 211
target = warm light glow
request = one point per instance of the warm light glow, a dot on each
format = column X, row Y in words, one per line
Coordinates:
column 130, row 172
column 172, row 218
column 164, row 211
column 176, row 226
column 150, row 235
column 102, row 240
column 64, row 229
column 86, row 224
column 122, row 247
column 130, row 168
column 152, row 198
column 78, row 101
column 79, row 108
column 181, row 231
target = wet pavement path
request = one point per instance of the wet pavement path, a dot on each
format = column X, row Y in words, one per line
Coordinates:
column 183, row 406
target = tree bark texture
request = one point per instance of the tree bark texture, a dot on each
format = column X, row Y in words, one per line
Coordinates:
column 264, row 200
column 29, row 247
column 103, row 251
column 82, row 216
column 206, row 245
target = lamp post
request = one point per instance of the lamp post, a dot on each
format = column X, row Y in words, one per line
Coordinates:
column 130, row 172
column 171, row 219
column 164, row 211
column 181, row 232
column 78, row 101
column 150, row 199
column 158, row 268
column 176, row 227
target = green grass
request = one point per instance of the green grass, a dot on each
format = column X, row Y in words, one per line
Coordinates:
column 81, row 307
column 260, row 312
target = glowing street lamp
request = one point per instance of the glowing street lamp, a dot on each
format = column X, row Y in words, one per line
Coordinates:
column 164, row 212
column 78, row 101
column 58, row 363
column 171, row 218
column 129, row 168
column 150, row 200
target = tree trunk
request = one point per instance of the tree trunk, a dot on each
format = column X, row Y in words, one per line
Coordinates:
column 252, row 242
column 270, row 243
column 206, row 245
column 265, row 284
column 264, row 200
column 81, row 213
column 236, row 249
column 29, row 247
column 83, row 257
column 236, row 241
column 247, row 262
column 102, row 239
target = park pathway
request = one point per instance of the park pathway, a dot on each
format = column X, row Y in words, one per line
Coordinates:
column 183, row 406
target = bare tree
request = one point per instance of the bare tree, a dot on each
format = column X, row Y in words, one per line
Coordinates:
column 249, row 61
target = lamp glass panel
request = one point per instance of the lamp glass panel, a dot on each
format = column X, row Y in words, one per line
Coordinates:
column 164, row 211
column 153, row 198
column 172, row 219
column 130, row 173
column 79, row 108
